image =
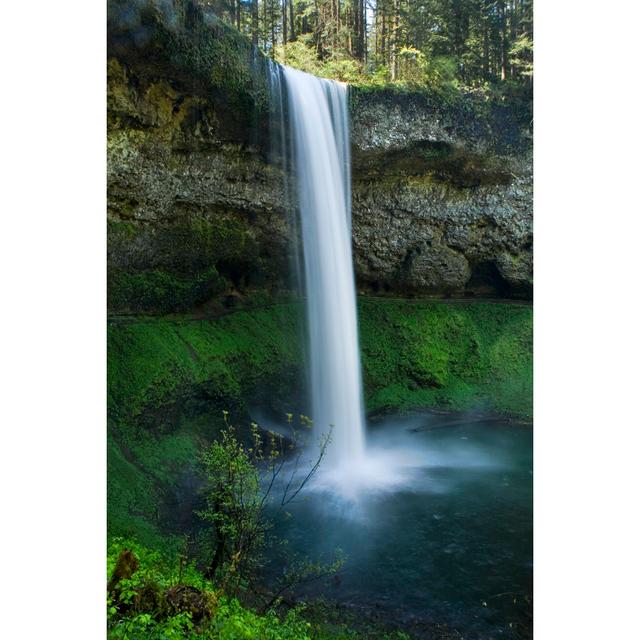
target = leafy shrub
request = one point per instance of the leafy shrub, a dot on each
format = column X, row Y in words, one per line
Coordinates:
column 236, row 500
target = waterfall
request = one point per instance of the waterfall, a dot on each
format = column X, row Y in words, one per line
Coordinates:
column 313, row 123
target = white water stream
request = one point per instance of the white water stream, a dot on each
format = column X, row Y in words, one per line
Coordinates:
column 317, row 130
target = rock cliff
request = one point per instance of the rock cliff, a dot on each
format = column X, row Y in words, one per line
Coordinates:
column 442, row 188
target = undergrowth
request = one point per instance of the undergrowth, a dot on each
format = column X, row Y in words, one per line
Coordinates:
column 167, row 598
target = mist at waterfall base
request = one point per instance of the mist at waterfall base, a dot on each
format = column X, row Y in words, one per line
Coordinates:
column 435, row 522
column 446, row 538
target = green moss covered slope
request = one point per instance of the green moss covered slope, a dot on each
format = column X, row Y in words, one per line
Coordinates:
column 459, row 356
column 454, row 355
column 170, row 379
column 168, row 382
column 154, row 363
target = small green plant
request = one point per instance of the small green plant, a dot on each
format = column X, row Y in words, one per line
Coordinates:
column 240, row 484
column 146, row 594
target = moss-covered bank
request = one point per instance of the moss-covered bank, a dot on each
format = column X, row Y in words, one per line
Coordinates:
column 459, row 356
column 169, row 379
column 455, row 355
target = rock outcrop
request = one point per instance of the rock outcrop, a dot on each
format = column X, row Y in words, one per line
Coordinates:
column 442, row 188
column 442, row 197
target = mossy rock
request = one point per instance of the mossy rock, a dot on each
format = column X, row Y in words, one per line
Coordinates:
column 172, row 268
column 189, row 46
column 162, row 292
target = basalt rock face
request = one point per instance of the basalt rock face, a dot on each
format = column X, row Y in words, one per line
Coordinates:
column 442, row 197
column 191, row 216
column 442, row 189
column 196, row 214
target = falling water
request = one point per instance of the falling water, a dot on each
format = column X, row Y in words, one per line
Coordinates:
column 314, row 125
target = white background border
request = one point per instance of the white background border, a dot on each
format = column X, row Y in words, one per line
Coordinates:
column 52, row 350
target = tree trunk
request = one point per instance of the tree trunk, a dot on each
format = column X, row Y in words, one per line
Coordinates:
column 293, row 24
column 383, row 37
column 363, row 22
column 395, row 18
column 273, row 16
column 485, row 52
column 216, row 562
column 284, row 22
column 264, row 24
column 503, row 40
column 254, row 22
column 359, row 29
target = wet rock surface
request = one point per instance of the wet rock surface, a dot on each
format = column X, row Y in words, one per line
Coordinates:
column 425, row 236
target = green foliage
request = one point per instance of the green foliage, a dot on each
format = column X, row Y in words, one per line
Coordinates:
column 228, row 619
column 234, row 505
column 436, row 43
column 419, row 71
column 236, row 500
column 139, row 604
column 233, row 622
column 302, row 55
column 521, row 53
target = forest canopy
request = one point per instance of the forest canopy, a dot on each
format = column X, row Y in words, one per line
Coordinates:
column 457, row 43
